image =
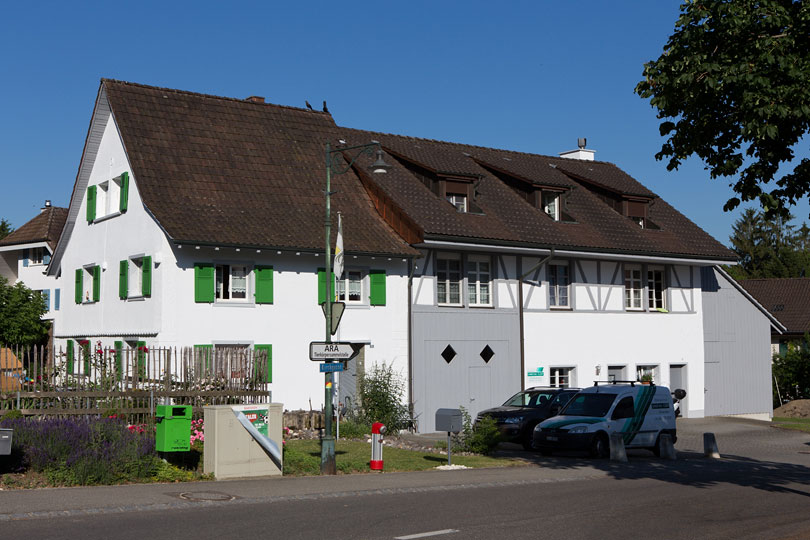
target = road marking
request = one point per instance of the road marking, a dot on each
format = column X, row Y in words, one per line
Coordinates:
column 425, row 534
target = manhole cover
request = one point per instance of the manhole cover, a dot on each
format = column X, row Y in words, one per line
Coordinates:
column 206, row 496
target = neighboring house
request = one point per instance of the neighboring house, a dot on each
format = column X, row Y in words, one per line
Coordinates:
column 737, row 333
column 199, row 220
column 26, row 253
column 789, row 301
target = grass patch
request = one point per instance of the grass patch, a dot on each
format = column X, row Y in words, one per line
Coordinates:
column 798, row 424
column 303, row 458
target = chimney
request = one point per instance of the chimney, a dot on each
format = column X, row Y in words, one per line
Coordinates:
column 581, row 152
column 255, row 99
column 47, row 205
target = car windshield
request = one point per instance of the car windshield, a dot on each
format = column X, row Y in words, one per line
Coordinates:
column 534, row 399
column 589, row 405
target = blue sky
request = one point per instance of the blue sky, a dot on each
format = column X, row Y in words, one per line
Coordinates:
column 530, row 76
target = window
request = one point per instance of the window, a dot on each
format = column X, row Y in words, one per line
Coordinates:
column 459, row 200
column 36, row 256
column 655, row 288
column 632, row 287
column 645, row 373
column 448, row 279
column 350, row 287
column 231, row 282
column 623, row 409
column 558, row 285
column 551, row 205
column 560, row 377
column 88, row 284
column 479, row 280
column 135, row 277
column 107, row 198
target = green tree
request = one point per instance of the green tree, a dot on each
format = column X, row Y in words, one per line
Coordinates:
column 381, row 390
column 791, row 371
column 732, row 88
column 768, row 248
column 21, row 311
column 5, row 228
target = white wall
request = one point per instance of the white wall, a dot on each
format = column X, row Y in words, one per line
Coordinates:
column 105, row 243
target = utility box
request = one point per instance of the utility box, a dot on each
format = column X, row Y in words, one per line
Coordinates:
column 173, row 432
column 449, row 420
column 5, row 441
column 232, row 451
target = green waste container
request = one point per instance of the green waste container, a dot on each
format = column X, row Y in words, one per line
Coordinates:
column 173, row 428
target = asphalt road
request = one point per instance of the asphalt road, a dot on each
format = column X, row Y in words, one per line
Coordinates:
column 760, row 489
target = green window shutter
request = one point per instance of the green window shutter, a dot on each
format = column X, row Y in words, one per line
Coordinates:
column 203, row 282
column 85, row 346
column 91, row 203
column 96, row 283
column 123, row 275
column 322, row 285
column 206, row 354
column 376, row 280
column 122, row 204
column 268, row 374
column 69, row 353
column 119, row 360
column 141, row 356
column 264, row 284
column 146, row 277
column 79, row 285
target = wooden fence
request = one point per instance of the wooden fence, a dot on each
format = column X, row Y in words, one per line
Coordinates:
column 131, row 381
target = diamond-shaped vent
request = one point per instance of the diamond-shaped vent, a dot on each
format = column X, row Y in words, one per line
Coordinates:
column 487, row 354
column 448, row 354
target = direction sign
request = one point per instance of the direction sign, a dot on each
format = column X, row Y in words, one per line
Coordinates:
column 338, row 350
column 331, row 368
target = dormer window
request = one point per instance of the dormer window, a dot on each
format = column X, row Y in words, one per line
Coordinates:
column 551, row 205
column 458, row 200
column 638, row 220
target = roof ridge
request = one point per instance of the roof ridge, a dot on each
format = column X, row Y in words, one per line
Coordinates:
column 213, row 96
column 426, row 139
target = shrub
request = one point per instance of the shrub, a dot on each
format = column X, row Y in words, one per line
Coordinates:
column 79, row 452
column 354, row 428
column 481, row 438
column 381, row 390
column 791, row 371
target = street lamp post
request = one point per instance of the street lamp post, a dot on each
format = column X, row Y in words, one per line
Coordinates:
column 333, row 162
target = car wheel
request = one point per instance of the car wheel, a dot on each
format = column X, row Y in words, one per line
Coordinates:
column 528, row 440
column 600, row 446
column 656, row 450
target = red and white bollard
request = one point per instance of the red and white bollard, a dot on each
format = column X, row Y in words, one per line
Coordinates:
column 377, row 432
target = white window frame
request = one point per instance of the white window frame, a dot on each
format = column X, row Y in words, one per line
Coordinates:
column 135, row 277
column 108, row 199
column 561, row 376
column 652, row 303
column 554, row 287
column 36, row 256
column 459, row 200
column 443, row 263
column 551, row 205
column 643, row 369
column 633, row 288
column 352, row 276
column 87, row 284
column 219, row 272
column 479, row 281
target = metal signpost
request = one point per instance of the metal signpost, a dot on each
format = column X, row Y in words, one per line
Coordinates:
column 335, row 158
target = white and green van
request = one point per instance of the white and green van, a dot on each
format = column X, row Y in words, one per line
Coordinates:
column 640, row 412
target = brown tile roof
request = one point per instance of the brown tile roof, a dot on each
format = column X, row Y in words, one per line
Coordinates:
column 787, row 299
column 45, row 227
column 224, row 171
column 509, row 218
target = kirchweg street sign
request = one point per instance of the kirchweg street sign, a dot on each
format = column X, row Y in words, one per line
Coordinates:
column 339, row 350
column 332, row 367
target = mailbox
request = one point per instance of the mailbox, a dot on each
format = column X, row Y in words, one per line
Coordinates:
column 448, row 420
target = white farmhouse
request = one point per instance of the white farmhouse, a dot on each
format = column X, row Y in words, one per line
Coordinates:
column 26, row 253
column 199, row 220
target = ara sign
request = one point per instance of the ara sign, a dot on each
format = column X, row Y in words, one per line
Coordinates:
column 339, row 350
